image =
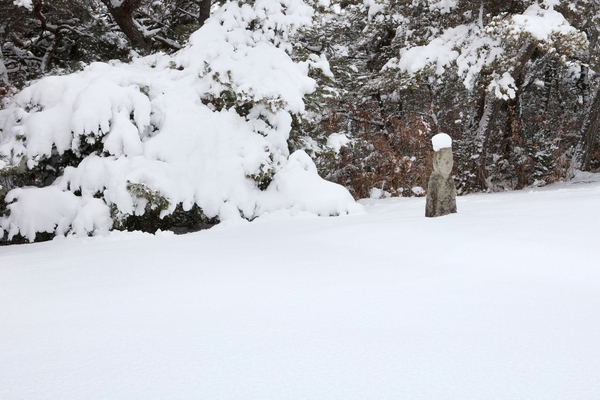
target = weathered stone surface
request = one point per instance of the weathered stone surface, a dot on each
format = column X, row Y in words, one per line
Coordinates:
column 441, row 191
column 443, row 161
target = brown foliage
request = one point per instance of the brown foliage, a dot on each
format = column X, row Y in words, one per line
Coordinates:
column 393, row 154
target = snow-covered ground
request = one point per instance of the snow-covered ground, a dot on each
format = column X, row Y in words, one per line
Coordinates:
column 500, row 301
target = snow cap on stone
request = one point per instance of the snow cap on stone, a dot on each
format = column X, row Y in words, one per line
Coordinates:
column 441, row 141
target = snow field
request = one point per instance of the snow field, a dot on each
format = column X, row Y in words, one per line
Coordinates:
column 500, row 301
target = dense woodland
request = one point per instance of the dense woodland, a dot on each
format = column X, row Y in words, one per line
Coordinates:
column 513, row 82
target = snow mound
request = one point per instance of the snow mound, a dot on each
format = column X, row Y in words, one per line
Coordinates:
column 441, row 141
column 207, row 127
column 52, row 210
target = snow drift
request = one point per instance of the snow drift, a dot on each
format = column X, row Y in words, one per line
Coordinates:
column 206, row 127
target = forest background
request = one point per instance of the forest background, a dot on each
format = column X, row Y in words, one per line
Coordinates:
column 514, row 83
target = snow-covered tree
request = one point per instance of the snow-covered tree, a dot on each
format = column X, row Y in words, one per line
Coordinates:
column 362, row 136
column 500, row 77
column 490, row 55
column 359, row 85
column 42, row 37
column 196, row 137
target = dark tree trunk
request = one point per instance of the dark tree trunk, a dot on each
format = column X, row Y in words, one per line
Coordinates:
column 204, row 11
column 3, row 73
column 57, row 32
column 549, row 79
column 123, row 16
column 490, row 111
column 590, row 133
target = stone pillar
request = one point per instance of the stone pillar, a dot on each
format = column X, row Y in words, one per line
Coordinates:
column 441, row 191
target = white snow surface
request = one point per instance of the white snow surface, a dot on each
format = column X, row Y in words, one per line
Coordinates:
column 498, row 301
column 23, row 3
column 374, row 6
column 444, row 6
column 156, row 124
column 441, row 141
column 338, row 140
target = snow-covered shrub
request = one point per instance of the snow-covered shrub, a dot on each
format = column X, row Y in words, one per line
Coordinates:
column 203, row 132
column 507, row 135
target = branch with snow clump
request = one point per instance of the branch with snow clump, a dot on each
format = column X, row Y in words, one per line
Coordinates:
column 470, row 47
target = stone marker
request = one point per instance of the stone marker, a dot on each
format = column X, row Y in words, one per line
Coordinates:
column 441, row 191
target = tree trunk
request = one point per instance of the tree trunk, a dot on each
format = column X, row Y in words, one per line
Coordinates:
column 204, row 11
column 490, row 111
column 584, row 84
column 590, row 133
column 3, row 72
column 482, row 138
column 123, row 16
column 49, row 54
column 549, row 79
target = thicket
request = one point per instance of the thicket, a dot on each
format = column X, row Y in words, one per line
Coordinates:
column 538, row 129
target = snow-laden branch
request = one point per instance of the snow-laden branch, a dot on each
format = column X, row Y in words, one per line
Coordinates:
column 471, row 48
